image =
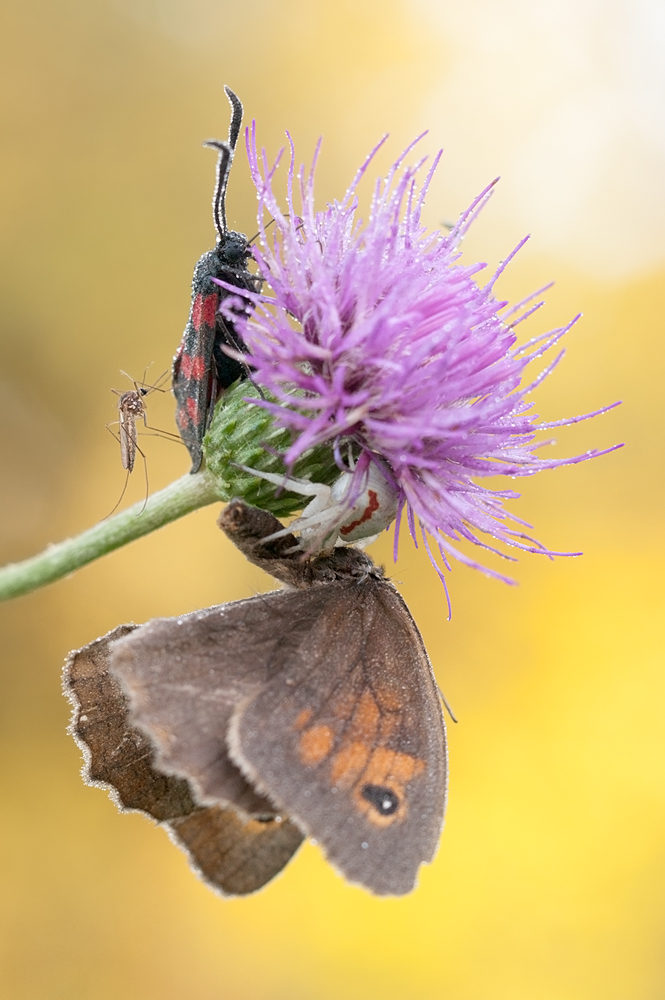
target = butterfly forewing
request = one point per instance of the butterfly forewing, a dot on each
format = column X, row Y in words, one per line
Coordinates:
column 336, row 718
column 349, row 735
column 185, row 677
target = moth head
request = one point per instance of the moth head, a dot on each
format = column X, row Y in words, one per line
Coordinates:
column 233, row 249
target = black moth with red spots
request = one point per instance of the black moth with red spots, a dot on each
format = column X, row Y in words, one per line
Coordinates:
column 201, row 369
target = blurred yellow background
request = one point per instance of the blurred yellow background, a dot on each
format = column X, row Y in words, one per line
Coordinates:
column 550, row 880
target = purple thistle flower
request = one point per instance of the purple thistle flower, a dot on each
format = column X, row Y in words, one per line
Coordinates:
column 396, row 347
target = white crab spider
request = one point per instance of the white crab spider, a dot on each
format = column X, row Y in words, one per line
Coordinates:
column 329, row 518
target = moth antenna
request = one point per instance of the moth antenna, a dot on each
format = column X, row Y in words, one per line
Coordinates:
column 236, row 117
column 224, row 161
column 256, row 235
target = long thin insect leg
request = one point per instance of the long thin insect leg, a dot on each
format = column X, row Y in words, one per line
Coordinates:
column 147, row 484
column 124, row 489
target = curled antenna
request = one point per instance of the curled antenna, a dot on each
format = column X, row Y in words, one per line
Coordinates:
column 224, row 161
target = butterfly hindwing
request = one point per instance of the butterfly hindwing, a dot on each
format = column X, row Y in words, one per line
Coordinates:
column 349, row 735
column 234, row 854
column 118, row 757
column 185, row 676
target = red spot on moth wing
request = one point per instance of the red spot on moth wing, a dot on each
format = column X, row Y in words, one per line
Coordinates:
column 204, row 311
column 197, row 309
column 370, row 509
column 193, row 410
column 210, row 306
column 192, row 367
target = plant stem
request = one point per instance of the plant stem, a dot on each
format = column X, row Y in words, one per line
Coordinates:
column 176, row 500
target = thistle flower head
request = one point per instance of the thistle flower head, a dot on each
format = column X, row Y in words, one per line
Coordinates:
column 392, row 344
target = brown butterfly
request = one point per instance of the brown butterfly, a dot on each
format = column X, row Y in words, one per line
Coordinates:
column 243, row 727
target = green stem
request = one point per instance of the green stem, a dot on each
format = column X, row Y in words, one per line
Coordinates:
column 176, row 500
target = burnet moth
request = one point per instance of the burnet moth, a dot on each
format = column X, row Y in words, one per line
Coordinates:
column 201, row 368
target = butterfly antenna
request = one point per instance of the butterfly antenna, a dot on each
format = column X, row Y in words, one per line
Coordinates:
column 224, row 161
column 446, row 704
